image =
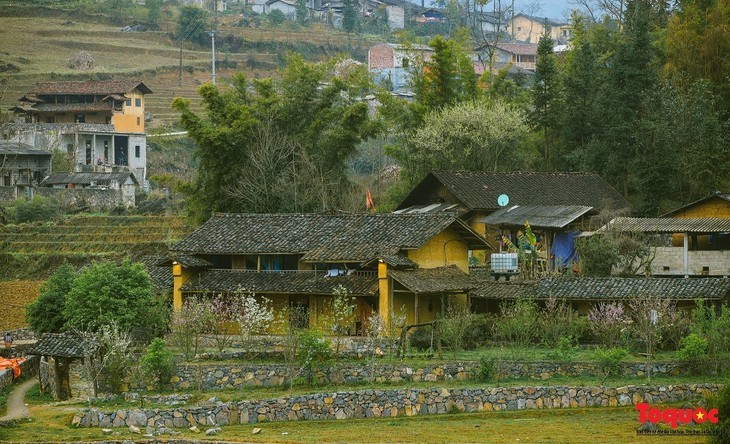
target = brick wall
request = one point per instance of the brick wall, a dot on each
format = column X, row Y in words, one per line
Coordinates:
column 380, row 57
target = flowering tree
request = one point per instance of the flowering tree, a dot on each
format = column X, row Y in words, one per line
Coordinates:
column 607, row 322
column 224, row 311
column 376, row 331
column 253, row 317
column 648, row 317
column 342, row 315
column 190, row 324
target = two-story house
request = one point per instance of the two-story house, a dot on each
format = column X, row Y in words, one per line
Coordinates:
column 529, row 29
column 100, row 124
column 415, row 264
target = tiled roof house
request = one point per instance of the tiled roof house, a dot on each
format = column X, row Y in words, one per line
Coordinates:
column 389, row 262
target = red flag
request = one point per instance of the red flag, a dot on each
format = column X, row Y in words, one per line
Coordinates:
column 369, row 200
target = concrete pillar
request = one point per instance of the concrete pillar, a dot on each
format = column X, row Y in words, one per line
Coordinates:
column 385, row 297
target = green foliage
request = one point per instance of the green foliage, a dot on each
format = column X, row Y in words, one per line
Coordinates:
column 158, row 362
column 276, row 17
column 609, row 360
column 479, row 331
column 122, row 293
column 45, row 315
column 487, row 369
column 314, row 351
column 518, row 322
column 37, row 209
column 693, row 349
column 564, row 350
column 714, row 326
column 302, row 12
column 192, row 24
column 545, row 97
column 474, row 135
column 115, row 357
column 284, row 148
column 350, row 22
column 722, row 403
column 154, row 12
column 528, row 252
column 454, row 326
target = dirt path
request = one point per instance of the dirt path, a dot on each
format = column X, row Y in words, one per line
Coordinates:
column 16, row 401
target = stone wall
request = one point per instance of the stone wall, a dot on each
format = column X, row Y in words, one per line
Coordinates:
column 29, row 367
column 670, row 261
column 396, row 402
column 79, row 385
column 228, row 376
column 7, row 195
column 94, row 199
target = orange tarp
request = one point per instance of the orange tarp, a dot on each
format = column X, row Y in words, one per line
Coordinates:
column 13, row 363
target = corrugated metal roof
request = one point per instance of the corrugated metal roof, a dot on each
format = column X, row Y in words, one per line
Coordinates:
column 668, row 225
column 539, row 216
column 433, row 208
column 17, row 148
column 519, row 48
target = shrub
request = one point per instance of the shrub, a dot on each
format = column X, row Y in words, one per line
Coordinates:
column 158, row 362
column 421, row 338
column 722, row 403
column 607, row 323
column 518, row 323
column 558, row 320
column 314, row 351
column 478, row 332
column 38, row 209
column 609, row 360
column 455, row 326
column 45, row 315
column 564, row 350
column 487, row 369
column 693, row 349
column 713, row 325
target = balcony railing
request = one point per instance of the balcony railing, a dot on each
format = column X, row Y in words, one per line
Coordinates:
column 322, row 273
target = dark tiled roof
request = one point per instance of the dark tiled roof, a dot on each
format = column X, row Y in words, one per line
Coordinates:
column 717, row 195
column 394, row 260
column 359, row 284
column 70, row 107
column 89, row 87
column 62, row 127
column 519, row 48
column 668, row 225
column 608, row 288
column 66, row 345
column 434, row 280
column 321, row 237
column 87, row 178
column 479, row 190
column 18, row 149
column 161, row 275
column 491, row 289
column 539, row 216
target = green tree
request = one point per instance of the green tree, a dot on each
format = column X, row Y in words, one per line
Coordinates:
column 192, row 24
column 350, row 21
column 46, row 314
column 302, row 12
column 579, row 80
column 118, row 9
column 546, row 97
column 123, row 293
column 282, row 148
column 448, row 78
column 475, row 135
column 154, row 12
column 276, row 17
column 158, row 362
column 631, row 73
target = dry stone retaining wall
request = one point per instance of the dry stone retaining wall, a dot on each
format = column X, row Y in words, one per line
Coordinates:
column 219, row 376
column 396, row 402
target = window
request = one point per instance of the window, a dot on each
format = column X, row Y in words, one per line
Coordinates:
column 128, row 102
column 136, row 151
column 80, row 118
column 138, row 121
column 106, row 151
column 49, row 119
column 405, row 62
column 88, row 152
column 138, row 102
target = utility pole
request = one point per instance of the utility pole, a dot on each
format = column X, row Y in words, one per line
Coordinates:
column 212, row 33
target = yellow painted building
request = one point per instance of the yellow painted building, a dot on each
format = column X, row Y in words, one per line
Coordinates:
column 529, row 29
column 407, row 268
column 716, row 205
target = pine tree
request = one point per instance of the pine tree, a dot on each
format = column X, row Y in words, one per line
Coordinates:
column 546, row 96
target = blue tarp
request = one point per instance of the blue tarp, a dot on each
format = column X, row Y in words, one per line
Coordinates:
column 563, row 248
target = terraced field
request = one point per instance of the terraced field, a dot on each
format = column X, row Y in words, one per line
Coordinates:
column 35, row 251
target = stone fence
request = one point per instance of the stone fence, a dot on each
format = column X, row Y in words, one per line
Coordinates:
column 396, row 402
column 29, row 367
column 228, row 376
column 94, row 199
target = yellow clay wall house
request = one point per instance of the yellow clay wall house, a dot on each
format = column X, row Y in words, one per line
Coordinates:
column 392, row 264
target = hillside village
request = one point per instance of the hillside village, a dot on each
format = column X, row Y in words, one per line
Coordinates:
column 263, row 221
